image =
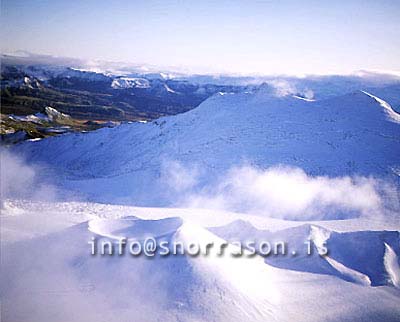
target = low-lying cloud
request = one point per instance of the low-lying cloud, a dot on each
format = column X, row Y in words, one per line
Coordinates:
column 284, row 88
column 279, row 192
column 20, row 179
column 284, row 192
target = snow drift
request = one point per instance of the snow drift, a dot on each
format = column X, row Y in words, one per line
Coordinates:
column 56, row 269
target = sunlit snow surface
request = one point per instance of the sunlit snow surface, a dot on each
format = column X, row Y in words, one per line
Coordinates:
column 239, row 167
column 45, row 259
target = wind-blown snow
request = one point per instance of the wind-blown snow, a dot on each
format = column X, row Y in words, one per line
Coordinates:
column 392, row 265
column 392, row 115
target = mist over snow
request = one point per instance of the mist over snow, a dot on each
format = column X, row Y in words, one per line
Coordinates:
column 279, row 191
column 20, row 179
column 284, row 192
column 76, row 286
column 284, row 88
column 178, row 179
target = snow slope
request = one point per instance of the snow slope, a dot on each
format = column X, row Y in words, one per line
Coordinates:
column 352, row 135
column 358, row 256
column 55, row 268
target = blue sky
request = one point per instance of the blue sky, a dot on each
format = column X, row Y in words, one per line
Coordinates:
column 268, row 37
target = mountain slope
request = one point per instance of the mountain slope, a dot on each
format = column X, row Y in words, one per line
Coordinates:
column 354, row 134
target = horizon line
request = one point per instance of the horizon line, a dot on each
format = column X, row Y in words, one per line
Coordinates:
column 93, row 65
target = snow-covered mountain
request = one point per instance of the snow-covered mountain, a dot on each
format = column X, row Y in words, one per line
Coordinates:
column 129, row 82
column 355, row 134
column 89, row 95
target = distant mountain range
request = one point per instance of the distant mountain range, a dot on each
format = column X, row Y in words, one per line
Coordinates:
column 90, row 95
column 93, row 99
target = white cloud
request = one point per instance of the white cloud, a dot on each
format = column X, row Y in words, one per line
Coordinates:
column 177, row 177
column 284, row 88
column 282, row 192
column 19, row 179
